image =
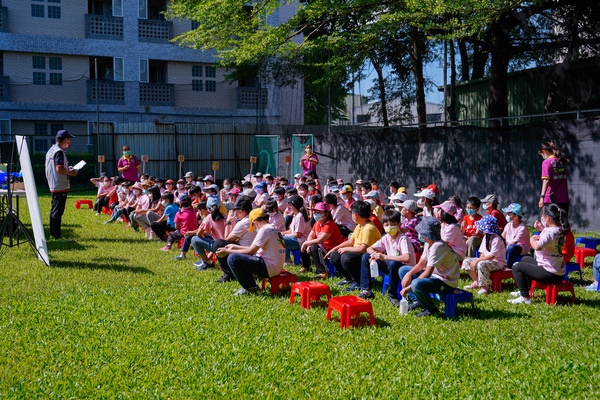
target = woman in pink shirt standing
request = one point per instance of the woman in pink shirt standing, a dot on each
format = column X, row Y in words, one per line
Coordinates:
column 555, row 188
column 516, row 234
column 492, row 254
column 309, row 161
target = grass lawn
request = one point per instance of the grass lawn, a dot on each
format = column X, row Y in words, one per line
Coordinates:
column 116, row 317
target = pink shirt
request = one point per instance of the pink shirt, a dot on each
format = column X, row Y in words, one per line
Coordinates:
column 215, row 229
column 550, row 256
column 187, row 220
column 240, row 230
column 272, row 248
column 131, row 173
column 278, row 221
column 452, row 235
column 299, row 225
column 519, row 234
column 224, row 195
column 342, row 216
column 143, row 202
column 103, row 190
column 261, row 199
column 307, row 166
column 557, row 180
column 444, row 262
column 497, row 249
column 396, row 247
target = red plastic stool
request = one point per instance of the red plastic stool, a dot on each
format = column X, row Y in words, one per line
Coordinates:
column 89, row 203
column 553, row 290
column 349, row 306
column 581, row 253
column 105, row 210
column 309, row 291
column 180, row 243
column 498, row 276
column 282, row 280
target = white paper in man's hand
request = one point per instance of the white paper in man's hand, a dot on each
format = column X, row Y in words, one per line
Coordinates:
column 79, row 165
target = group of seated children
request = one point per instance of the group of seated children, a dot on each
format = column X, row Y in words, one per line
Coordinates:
column 252, row 226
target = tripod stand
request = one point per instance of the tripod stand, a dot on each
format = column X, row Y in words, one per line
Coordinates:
column 12, row 228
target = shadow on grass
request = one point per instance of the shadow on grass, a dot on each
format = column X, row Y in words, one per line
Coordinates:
column 68, row 245
column 122, row 240
column 100, row 266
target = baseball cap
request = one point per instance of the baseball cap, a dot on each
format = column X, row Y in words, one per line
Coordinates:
column 189, row 174
column 372, row 194
column 427, row 193
column 410, row 205
column 514, row 208
column 208, row 178
column 402, row 197
column 448, row 206
column 243, row 203
column 322, row 207
column 490, row 198
column 295, row 200
column 213, row 186
column 63, row 134
column 346, row 189
column 249, row 193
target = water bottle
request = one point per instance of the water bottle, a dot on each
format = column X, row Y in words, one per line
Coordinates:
column 374, row 268
column 403, row 307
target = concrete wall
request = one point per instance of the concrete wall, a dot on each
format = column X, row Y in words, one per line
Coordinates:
column 78, row 129
column 70, row 24
column 180, row 74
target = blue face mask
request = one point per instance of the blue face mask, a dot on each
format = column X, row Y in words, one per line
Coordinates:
column 471, row 212
column 317, row 217
column 420, row 238
column 486, row 206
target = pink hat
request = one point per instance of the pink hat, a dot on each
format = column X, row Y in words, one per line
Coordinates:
column 234, row 192
column 340, row 182
column 448, row 206
column 322, row 207
column 208, row 178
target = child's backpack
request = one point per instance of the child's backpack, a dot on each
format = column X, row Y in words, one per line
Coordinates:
column 568, row 249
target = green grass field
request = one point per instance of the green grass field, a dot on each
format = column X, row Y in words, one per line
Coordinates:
column 114, row 317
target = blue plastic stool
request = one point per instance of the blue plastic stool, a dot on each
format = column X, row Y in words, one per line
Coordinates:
column 386, row 283
column 452, row 299
column 297, row 256
column 331, row 268
column 570, row 267
column 588, row 242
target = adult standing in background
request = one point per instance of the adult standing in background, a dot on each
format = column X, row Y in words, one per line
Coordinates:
column 555, row 188
column 59, row 176
column 309, row 161
column 129, row 165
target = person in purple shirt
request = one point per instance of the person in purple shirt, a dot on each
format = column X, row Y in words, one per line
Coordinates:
column 555, row 188
column 129, row 165
column 309, row 161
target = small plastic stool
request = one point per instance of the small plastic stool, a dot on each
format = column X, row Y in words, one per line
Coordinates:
column 79, row 203
column 105, row 210
column 349, row 306
column 452, row 299
column 283, row 279
column 571, row 267
column 331, row 268
column 297, row 257
column 180, row 243
column 581, row 253
column 386, row 283
column 553, row 290
column 309, row 291
column 588, row 242
column 498, row 276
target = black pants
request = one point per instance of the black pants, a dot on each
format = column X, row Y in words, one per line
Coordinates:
column 317, row 258
column 344, row 231
column 223, row 260
column 161, row 229
column 59, row 200
column 348, row 264
column 101, row 202
column 527, row 270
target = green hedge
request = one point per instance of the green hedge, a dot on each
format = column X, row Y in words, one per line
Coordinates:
column 38, row 161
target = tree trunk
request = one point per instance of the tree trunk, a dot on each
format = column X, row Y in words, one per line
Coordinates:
column 498, row 105
column 464, row 60
column 418, row 48
column 382, row 97
column 452, row 94
column 479, row 62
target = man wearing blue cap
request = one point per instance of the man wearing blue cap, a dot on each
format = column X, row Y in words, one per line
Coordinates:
column 59, row 176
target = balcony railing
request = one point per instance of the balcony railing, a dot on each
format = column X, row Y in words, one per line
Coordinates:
column 3, row 19
column 4, row 89
column 108, row 92
column 156, row 94
column 155, row 31
column 247, row 97
column 102, row 27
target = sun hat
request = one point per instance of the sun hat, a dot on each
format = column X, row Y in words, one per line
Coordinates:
column 410, row 205
column 427, row 193
column 261, row 186
column 359, row 182
column 514, row 208
column 213, row 202
column 189, row 174
column 297, row 176
column 254, row 214
column 402, row 197
column 295, row 200
column 181, row 181
column 488, row 224
column 243, row 203
column 322, row 207
column 402, row 190
column 213, row 187
column 490, row 198
column 169, row 181
column 249, row 193
column 136, row 186
column 448, row 206
column 340, row 182
column 258, row 175
column 371, row 203
column 334, row 188
column 372, row 194
column 146, row 183
column 208, row 178
column 346, row 189
column 434, row 188
column 234, row 192
column 429, row 228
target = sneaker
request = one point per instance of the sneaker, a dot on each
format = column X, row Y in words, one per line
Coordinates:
column 414, row 305
column 225, row 278
column 120, row 219
column 592, row 287
column 515, row 294
column 97, row 214
column 520, row 300
column 166, row 248
column 352, row 287
column 423, row 313
column 303, row 270
column 128, row 226
column 473, row 285
column 110, row 221
column 322, row 275
column 344, row 282
column 483, row 291
column 242, row 291
column 394, row 302
column 366, row 294
column 179, row 257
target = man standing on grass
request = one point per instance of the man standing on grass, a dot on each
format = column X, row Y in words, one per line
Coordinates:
column 59, row 175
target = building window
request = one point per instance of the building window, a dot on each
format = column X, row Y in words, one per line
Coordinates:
column 40, row 129
column 211, row 86
column 363, row 118
column 39, row 62
column 197, row 71
column 53, row 1
column 211, row 72
column 54, row 12
column 196, row 85
column 55, row 128
column 195, row 25
column 42, row 145
column 55, row 78
column 55, row 62
column 39, row 78
column 37, row 10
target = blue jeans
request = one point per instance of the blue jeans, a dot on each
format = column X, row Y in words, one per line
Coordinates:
column 401, row 274
column 244, row 267
column 202, row 244
column 596, row 267
column 387, row 267
column 512, row 251
column 423, row 287
column 292, row 243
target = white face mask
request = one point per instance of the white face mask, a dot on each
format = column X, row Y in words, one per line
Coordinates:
column 107, row 184
column 544, row 222
column 227, row 186
column 272, row 214
column 179, row 186
column 136, row 191
column 164, row 203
